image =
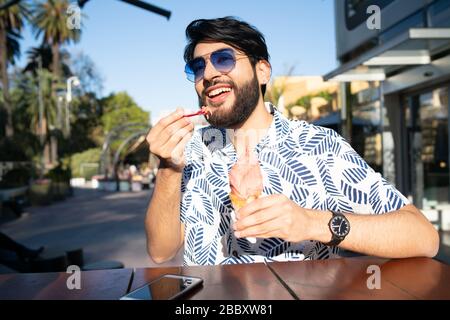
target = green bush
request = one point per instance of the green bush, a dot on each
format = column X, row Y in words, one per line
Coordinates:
column 78, row 162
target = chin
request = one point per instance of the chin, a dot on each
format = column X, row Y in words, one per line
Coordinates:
column 225, row 105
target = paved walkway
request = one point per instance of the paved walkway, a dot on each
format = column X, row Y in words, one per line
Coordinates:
column 108, row 226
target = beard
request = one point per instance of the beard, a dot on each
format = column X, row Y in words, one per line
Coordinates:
column 246, row 99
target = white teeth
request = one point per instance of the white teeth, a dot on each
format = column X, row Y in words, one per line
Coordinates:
column 218, row 91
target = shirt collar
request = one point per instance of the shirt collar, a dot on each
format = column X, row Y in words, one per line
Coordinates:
column 278, row 130
column 217, row 139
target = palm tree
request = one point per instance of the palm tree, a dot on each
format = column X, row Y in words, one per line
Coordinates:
column 44, row 54
column 27, row 90
column 11, row 24
column 30, row 89
column 276, row 90
column 50, row 19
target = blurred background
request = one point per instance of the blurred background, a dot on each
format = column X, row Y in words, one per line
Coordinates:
column 83, row 81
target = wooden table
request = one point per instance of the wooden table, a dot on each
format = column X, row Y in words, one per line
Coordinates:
column 346, row 278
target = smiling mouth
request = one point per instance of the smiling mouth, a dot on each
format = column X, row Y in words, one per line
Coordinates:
column 218, row 92
column 218, row 95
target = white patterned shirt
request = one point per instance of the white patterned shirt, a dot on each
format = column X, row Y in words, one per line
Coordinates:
column 313, row 166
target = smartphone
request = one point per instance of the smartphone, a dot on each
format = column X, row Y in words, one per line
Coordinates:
column 166, row 287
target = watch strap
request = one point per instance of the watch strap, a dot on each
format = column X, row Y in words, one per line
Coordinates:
column 334, row 241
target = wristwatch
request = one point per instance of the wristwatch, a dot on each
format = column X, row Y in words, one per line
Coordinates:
column 339, row 227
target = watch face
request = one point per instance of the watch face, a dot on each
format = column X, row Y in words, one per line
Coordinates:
column 340, row 226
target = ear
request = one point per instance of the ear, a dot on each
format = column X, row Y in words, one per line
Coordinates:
column 263, row 71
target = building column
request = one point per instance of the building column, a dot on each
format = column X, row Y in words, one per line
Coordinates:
column 395, row 154
column 344, row 98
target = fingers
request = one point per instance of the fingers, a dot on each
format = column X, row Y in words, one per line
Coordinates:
column 256, row 218
column 166, row 149
column 168, row 133
column 177, row 154
column 256, row 205
column 272, row 227
column 271, row 234
column 164, row 123
column 174, row 133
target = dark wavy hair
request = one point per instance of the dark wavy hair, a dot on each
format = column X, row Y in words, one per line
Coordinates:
column 232, row 31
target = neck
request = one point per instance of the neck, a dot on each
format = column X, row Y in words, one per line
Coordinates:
column 248, row 134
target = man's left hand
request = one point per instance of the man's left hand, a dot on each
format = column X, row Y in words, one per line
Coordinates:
column 273, row 216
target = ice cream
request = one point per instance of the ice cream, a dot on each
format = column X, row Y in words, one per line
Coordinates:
column 246, row 183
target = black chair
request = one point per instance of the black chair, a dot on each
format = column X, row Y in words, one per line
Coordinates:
column 51, row 260
column 103, row 265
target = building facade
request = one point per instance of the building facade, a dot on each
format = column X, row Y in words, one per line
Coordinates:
column 398, row 120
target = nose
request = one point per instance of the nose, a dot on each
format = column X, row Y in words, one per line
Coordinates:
column 210, row 72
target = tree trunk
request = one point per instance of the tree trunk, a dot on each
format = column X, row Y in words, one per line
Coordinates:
column 54, row 150
column 56, row 68
column 46, row 148
column 9, row 130
column 53, row 153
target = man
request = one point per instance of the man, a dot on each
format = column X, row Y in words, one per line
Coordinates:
column 318, row 194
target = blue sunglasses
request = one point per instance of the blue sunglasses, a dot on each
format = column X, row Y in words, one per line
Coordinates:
column 223, row 60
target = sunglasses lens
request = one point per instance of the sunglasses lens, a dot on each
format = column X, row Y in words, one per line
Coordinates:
column 189, row 74
column 223, row 60
column 194, row 69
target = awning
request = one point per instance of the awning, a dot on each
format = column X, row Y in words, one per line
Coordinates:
column 334, row 118
column 329, row 120
column 413, row 47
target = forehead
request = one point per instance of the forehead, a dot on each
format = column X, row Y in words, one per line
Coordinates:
column 204, row 48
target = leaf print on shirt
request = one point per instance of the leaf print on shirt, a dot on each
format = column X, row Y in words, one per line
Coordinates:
column 313, row 166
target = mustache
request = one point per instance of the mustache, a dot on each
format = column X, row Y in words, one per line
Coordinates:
column 213, row 83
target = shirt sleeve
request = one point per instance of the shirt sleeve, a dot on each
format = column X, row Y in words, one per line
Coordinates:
column 360, row 189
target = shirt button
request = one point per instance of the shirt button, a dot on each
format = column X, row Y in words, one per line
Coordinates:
column 235, row 254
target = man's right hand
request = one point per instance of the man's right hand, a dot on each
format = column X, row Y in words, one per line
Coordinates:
column 168, row 138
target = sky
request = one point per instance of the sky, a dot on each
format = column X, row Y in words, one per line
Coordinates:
column 142, row 53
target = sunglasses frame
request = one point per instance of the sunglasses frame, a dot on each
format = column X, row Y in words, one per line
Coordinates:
column 190, row 74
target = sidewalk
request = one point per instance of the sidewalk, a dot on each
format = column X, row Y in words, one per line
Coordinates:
column 107, row 225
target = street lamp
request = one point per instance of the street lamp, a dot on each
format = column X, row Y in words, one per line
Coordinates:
column 72, row 81
column 60, row 111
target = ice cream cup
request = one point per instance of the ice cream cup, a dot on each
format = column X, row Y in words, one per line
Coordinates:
column 238, row 203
